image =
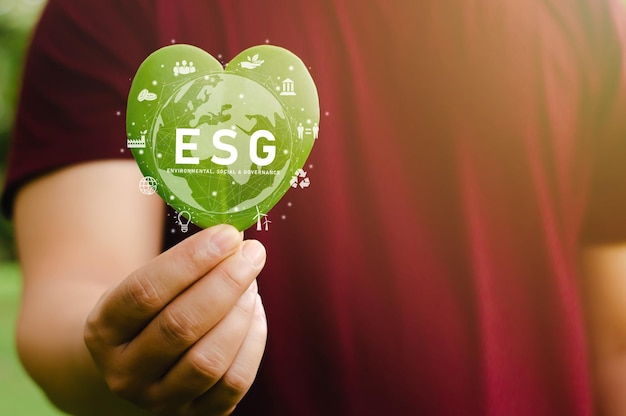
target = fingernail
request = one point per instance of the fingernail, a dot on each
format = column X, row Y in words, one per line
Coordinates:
column 254, row 252
column 225, row 240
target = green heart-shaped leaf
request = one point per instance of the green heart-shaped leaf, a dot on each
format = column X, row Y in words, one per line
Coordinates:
column 222, row 145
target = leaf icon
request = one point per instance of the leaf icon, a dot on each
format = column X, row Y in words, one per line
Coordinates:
column 253, row 62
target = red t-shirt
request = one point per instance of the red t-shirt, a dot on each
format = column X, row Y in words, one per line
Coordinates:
column 466, row 149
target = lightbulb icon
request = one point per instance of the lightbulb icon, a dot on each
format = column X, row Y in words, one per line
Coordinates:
column 184, row 218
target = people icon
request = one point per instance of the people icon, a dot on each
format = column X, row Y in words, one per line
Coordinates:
column 184, row 68
column 316, row 130
column 300, row 131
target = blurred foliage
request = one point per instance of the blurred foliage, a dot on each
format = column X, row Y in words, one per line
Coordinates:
column 16, row 20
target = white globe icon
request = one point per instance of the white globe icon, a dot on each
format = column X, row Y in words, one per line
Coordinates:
column 148, row 185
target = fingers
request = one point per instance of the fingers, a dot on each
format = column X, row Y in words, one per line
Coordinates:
column 179, row 323
column 204, row 364
column 194, row 312
column 126, row 310
column 235, row 383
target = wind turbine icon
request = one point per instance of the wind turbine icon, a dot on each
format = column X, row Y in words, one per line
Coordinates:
column 267, row 223
column 257, row 217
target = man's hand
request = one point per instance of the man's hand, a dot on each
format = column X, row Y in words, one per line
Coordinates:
column 184, row 334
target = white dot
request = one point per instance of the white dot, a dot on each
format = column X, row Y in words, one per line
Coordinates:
column 286, row 152
column 159, row 155
column 214, row 193
column 173, row 40
column 172, row 197
column 302, row 109
column 154, row 82
column 206, row 77
column 240, row 96
column 162, row 65
column 289, row 204
column 141, row 152
column 267, row 41
column 284, row 217
column 118, row 113
column 327, row 113
column 219, row 56
column 291, row 67
column 277, row 88
column 308, row 121
column 121, row 150
column 236, row 209
column 310, row 166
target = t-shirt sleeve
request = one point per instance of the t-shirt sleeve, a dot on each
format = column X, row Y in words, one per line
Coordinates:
column 77, row 74
column 605, row 216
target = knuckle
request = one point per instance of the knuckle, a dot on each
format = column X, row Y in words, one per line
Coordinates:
column 143, row 394
column 143, row 293
column 190, row 259
column 91, row 333
column 198, row 254
column 123, row 386
column 195, row 256
column 237, row 381
column 211, row 367
column 134, row 390
column 178, row 327
column 231, row 280
column 97, row 336
column 245, row 306
column 97, row 330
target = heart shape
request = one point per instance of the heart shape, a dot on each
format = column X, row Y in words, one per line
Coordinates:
column 221, row 145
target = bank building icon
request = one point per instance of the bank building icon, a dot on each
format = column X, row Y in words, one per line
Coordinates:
column 288, row 87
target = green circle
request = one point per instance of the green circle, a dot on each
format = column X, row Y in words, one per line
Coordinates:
column 196, row 172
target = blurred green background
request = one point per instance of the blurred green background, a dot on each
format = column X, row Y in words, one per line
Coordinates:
column 18, row 394
column 16, row 20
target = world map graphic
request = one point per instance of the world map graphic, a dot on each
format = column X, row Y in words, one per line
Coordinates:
column 209, row 104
